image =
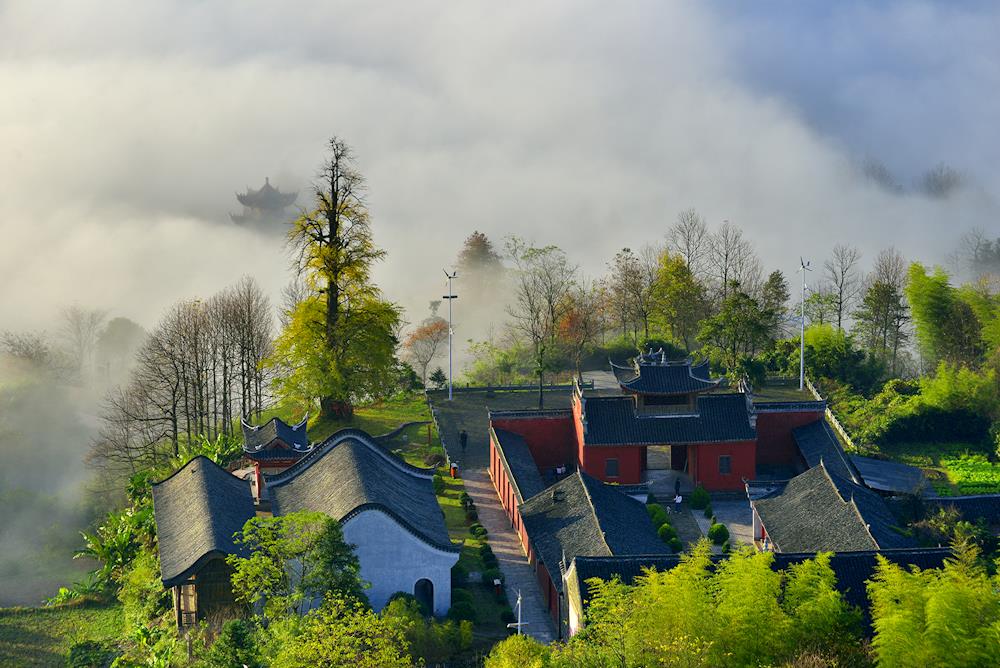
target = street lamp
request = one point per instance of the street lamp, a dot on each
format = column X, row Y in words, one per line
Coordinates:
column 803, row 267
column 451, row 331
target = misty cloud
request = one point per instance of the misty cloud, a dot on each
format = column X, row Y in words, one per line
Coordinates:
column 126, row 129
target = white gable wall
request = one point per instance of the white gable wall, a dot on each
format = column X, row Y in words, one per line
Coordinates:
column 393, row 559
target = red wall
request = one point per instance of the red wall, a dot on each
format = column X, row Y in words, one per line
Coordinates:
column 775, row 445
column 508, row 499
column 703, row 464
column 550, row 439
column 629, row 462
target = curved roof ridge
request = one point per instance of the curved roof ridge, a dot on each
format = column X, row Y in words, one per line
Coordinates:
column 187, row 464
column 332, row 441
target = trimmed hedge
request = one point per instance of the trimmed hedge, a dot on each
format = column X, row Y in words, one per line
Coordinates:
column 459, row 575
column 708, row 512
column 439, row 485
column 700, row 498
column 666, row 533
column 676, row 545
column 657, row 514
column 462, row 610
column 718, row 533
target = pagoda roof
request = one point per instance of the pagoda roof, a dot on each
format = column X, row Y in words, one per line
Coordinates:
column 267, row 198
column 653, row 373
column 275, row 439
column 717, row 418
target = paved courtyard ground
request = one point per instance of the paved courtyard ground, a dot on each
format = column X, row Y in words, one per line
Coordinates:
column 518, row 574
column 470, row 411
column 735, row 514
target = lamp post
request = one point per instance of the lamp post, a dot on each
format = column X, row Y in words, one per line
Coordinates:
column 519, row 623
column 451, row 331
column 803, row 267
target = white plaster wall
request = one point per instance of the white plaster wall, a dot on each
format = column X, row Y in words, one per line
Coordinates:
column 393, row 559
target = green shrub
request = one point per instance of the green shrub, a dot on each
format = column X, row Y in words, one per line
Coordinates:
column 235, row 646
column 471, row 515
column 461, row 596
column 718, row 533
column 462, row 610
column 676, row 545
column 726, row 547
column 666, row 533
column 486, row 552
column 467, row 501
column 657, row 514
column 478, row 531
column 91, row 654
column 439, row 485
column 709, row 513
column 491, row 574
column 459, row 575
column 700, row 498
column 434, row 460
column 651, row 499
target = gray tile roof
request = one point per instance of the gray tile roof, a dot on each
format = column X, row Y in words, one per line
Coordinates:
column 719, row 418
column 520, row 465
column 580, row 515
column 820, row 511
column 652, row 374
column 349, row 473
column 984, row 507
column 817, row 443
column 197, row 511
column 890, row 476
column 275, row 440
column 852, row 569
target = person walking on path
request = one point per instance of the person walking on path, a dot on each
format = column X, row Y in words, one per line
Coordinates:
column 677, row 486
column 463, row 440
column 677, row 503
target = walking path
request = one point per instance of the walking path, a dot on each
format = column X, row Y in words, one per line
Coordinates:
column 518, row 574
column 661, row 485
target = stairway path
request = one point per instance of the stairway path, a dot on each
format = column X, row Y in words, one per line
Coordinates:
column 519, row 575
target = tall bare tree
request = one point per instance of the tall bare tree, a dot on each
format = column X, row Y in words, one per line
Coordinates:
column 335, row 252
column 841, row 273
column 582, row 322
column 732, row 260
column 79, row 332
column 689, row 238
column 543, row 279
column 882, row 318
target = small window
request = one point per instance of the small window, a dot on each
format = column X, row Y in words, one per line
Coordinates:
column 725, row 464
column 611, row 468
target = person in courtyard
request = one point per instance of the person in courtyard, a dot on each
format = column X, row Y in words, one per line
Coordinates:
column 677, row 486
column 463, row 440
column 677, row 503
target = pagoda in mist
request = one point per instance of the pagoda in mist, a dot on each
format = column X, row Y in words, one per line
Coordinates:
column 263, row 206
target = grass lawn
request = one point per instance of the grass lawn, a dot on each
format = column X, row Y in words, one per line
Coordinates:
column 954, row 469
column 489, row 627
column 42, row 636
column 781, row 389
